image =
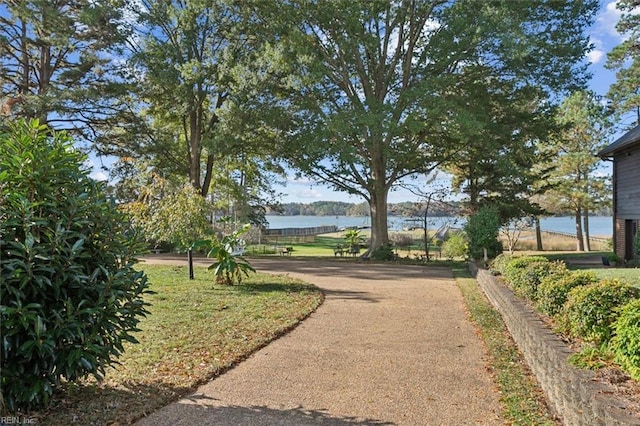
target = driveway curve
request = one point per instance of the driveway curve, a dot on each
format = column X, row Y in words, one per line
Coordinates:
column 391, row 345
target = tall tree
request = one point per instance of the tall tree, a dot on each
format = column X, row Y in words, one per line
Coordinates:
column 625, row 58
column 191, row 72
column 499, row 151
column 585, row 127
column 375, row 98
column 57, row 60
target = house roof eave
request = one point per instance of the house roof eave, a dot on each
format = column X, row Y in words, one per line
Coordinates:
column 632, row 137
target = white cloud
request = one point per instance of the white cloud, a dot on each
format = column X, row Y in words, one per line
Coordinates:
column 608, row 18
column 598, row 51
column 307, row 193
column 99, row 175
column 595, row 56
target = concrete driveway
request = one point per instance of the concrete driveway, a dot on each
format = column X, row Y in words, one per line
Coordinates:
column 390, row 345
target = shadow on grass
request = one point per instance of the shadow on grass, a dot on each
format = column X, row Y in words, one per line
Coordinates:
column 100, row 404
column 274, row 287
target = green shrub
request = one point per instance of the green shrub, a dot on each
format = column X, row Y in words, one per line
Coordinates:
column 625, row 343
column 384, row 253
column 535, row 272
column 553, row 289
column 498, row 265
column 515, row 272
column 70, row 294
column 228, row 267
column 482, row 231
column 454, row 246
column 591, row 310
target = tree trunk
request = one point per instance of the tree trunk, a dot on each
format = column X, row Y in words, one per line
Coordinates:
column 208, row 174
column 587, row 237
column 538, row 234
column 379, row 229
column 196, row 151
column 579, row 240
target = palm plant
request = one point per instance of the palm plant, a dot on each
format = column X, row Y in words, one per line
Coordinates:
column 228, row 267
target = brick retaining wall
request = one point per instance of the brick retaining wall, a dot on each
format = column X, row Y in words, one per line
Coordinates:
column 573, row 393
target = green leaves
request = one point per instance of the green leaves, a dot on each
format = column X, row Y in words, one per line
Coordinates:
column 70, row 293
column 482, row 232
column 228, row 267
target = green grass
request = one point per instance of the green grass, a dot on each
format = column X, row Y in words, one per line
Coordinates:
column 630, row 275
column 196, row 330
column 322, row 246
column 521, row 398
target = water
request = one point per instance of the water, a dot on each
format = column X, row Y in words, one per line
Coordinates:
column 599, row 225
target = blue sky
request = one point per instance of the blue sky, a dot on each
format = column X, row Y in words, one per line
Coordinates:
column 603, row 36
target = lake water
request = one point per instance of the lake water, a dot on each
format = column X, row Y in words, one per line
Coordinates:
column 598, row 225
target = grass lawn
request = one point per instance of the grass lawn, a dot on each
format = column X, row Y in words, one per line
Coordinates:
column 196, row 330
column 323, row 245
column 630, row 275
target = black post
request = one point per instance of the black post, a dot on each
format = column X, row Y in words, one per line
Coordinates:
column 190, row 256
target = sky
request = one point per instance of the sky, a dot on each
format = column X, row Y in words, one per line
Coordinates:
column 604, row 38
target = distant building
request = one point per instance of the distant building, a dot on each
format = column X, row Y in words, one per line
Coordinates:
column 625, row 153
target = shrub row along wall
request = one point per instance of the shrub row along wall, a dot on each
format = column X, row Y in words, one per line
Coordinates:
column 574, row 395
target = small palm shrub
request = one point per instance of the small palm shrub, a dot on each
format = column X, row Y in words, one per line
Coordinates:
column 70, row 294
column 229, row 268
column 625, row 343
column 591, row 310
column 553, row 289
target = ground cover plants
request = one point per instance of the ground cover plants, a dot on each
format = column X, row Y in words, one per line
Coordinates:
column 195, row 330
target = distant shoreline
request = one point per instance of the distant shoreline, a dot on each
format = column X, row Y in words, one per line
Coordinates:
column 599, row 226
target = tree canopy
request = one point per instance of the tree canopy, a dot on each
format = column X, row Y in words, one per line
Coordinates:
column 584, row 129
column 377, row 90
column 56, row 61
column 625, row 59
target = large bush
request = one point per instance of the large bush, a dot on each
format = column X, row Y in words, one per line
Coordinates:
column 482, row 231
column 498, row 265
column 70, row 296
column 455, row 245
column 591, row 310
column 554, row 289
column 625, row 344
column 514, row 271
column 535, row 272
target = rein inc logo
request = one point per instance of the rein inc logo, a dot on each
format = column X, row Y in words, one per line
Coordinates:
column 14, row 420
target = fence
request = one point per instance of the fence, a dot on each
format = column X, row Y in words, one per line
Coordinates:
column 299, row 232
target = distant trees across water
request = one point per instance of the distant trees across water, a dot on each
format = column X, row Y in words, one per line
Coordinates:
column 339, row 208
column 404, row 209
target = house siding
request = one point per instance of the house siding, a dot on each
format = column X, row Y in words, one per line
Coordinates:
column 619, row 238
column 627, row 196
